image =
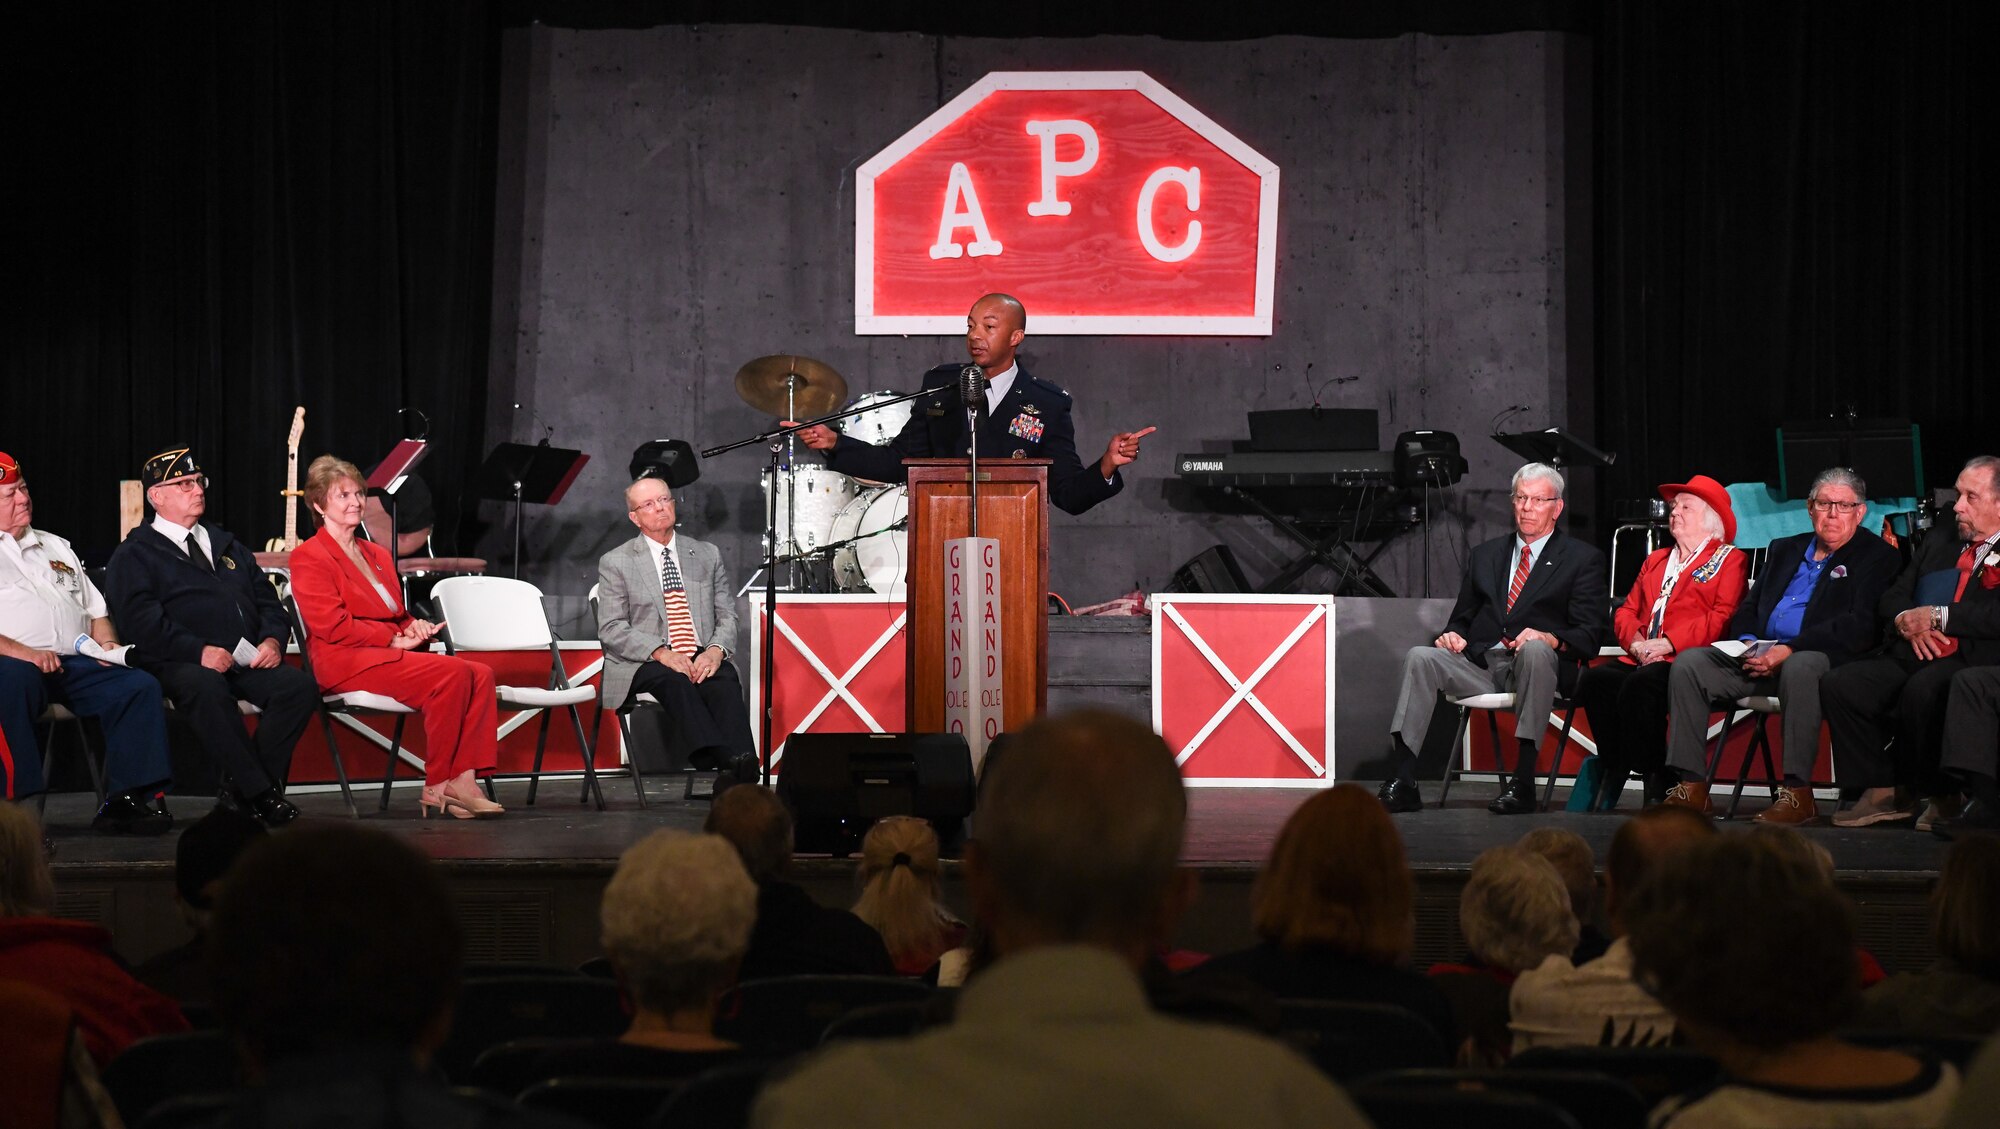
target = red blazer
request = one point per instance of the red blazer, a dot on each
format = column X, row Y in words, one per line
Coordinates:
column 1704, row 598
column 347, row 627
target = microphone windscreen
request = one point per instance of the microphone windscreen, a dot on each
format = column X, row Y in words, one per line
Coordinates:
column 971, row 385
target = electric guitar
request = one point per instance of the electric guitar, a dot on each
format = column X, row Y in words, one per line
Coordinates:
column 290, row 540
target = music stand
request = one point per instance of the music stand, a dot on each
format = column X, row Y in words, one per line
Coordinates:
column 521, row 473
column 388, row 477
column 1556, row 447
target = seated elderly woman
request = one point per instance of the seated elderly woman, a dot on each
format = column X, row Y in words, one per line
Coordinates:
column 900, row 888
column 1753, row 951
column 359, row 637
column 1682, row 599
column 1959, row 993
column 676, row 917
column 1334, row 908
column 1514, row 911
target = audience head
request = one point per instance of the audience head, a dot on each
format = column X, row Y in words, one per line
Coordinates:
column 900, row 885
column 752, row 819
column 1573, row 859
column 206, row 851
column 1514, row 911
column 1838, row 504
column 26, row 889
column 1079, row 836
column 1795, row 844
column 1745, row 941
column 1638, row 846
column 1337, row 879
column 677, row 915
column 334, row 937
column 322, row 476
column 1965, row 905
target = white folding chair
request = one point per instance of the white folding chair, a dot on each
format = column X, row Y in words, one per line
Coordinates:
column 353, row 703
column 493, row 613
column 1494, row 704
column 1755, row 708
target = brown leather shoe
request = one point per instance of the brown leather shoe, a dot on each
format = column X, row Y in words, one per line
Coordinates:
column 1790, row 807
column 1689, row 794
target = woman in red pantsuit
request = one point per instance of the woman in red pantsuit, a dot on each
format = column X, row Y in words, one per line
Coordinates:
column 360, row 638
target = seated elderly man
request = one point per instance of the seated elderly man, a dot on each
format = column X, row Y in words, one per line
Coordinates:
column 1075, row 873
column 205, row 622
column 1972, row 749
column 794, row 936
column 676, row 915
column 1531, row 609
column 50, row 613
column 1515, row 913
column 1811, row 610
column 1944, row 609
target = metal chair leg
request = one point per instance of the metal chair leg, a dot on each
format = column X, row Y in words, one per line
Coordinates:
column 632, row 762
column 1562, row 746
column 1499, row 761
column 395, row 754
column 588, row 745
column 339, row 766
column 1451, row 769
column 541, row 746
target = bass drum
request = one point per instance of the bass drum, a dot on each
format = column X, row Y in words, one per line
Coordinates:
column 878, row 425
column 809, row 499
column 878, row 560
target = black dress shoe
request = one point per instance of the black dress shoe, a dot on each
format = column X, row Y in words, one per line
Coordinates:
column 1976, row 819
column 1513, row 802
column 743, row 767
column 273, row 809
column 127, row 814
column 1400, row 796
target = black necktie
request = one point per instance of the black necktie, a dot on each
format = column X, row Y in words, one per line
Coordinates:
column 197, row 556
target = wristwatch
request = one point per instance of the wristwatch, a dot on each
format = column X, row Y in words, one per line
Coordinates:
column 1937, row 617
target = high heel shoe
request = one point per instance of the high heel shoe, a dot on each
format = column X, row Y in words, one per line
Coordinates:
column 462, row 791
column 448, row 804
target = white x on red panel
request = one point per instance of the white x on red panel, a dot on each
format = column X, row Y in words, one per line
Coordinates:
column 1270, row 728
column 858, row 636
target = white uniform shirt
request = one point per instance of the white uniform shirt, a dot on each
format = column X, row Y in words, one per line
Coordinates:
column 178, row 534
column 46, row 600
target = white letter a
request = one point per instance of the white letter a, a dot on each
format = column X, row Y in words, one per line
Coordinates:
column 961, row 209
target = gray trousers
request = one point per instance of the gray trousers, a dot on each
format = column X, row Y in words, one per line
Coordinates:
column 1530, row 673
column 1972, row 722
column 1705, row 678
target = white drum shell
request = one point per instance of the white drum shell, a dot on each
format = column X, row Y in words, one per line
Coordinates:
column 809, row 499
column 880, row 425
column 879, row 560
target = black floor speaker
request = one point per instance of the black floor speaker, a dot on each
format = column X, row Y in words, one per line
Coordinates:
column 838, row 784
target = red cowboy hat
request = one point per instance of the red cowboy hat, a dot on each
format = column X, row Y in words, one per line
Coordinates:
column 1710, row 491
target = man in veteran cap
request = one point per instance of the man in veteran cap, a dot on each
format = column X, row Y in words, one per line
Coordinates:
column 205, row 622
column 50, row 614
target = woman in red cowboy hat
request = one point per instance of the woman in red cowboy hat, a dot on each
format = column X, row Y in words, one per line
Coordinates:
column 1683, row 598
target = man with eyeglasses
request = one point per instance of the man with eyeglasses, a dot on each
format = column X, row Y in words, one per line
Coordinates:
column 1945, row 608
column 49, row 613
column 1814, row 605
column 1531, row 609
column 666, row 616
column 205, row 622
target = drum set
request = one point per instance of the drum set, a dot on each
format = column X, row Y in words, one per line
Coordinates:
column 835, row 533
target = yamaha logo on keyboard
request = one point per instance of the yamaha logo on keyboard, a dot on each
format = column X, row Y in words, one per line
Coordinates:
column 1189, row 466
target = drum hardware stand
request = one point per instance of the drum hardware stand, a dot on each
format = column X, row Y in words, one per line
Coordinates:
column 770, row 627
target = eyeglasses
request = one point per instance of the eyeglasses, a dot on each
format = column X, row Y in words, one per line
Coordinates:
column 1823, row 507
column 1533, row 502
column 653, row 504
column 198, row 482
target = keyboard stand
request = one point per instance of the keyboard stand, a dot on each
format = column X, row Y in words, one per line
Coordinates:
column 1355, row 575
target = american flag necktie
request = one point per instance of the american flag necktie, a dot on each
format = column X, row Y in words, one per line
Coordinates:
column 680, row 620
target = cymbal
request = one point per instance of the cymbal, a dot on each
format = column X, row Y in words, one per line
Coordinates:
column 816, row 390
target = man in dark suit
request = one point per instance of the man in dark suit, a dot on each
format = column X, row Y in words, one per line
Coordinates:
column 1946, row 619
column 1815, row 602
column 205, row 622
column 1022, row 418
column 1531, row 609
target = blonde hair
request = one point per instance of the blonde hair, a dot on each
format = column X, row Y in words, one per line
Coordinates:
column 320, row 477
column 900, row 885
column 26, row 889
column 1337, row 877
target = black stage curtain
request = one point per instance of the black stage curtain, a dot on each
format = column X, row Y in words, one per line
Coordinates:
column 1793, row 220
column 229, row 210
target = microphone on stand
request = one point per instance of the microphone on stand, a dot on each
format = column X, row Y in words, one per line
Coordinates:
column 972, row 386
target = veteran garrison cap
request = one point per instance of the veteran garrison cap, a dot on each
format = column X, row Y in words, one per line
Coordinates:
column 10, row 471
column 174, row 462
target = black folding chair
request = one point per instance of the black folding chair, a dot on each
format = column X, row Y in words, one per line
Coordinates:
column 788, row 1014
column 1347, row 1040
column 614, row 1103
column 1657, row 1073
column 159, row 1067
column 506, row 1068
column 880, row 1021
column 498, row 1010
column 1406, row 1107
column 1594, row 1100
column 715, row 1099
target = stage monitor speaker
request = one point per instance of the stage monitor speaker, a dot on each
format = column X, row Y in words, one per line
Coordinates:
column 838, row 784
column 1214, row 569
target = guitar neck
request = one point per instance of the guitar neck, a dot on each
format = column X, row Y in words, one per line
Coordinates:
column 291, row 500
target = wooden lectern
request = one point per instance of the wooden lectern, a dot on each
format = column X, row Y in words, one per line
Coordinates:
column 1014, row 509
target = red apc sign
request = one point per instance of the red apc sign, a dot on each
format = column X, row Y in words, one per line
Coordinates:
column 1099, row 198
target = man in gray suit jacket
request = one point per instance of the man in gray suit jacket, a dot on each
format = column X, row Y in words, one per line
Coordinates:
column 666, row 617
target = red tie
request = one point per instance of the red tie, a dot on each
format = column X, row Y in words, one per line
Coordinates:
column 1966, row 562
column 1520, row 578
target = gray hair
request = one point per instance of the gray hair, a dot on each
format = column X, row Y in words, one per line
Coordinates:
column 26, row 889
column 1988, row 463
column 677, row 915
column 1514, row 910
column 1542, row 471
column 1080, row 827
column 1839, row 476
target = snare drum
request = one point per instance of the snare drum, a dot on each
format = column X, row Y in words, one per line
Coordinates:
column 877, row 561
column 878, row 425
column 809, row 498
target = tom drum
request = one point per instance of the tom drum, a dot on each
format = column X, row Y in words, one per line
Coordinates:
column 878, row 558
column 809, row 499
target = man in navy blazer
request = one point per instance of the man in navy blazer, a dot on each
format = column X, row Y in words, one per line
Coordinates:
column 1023, row 418
column 1815, row 600
column 189, row 595
column 1531, row 610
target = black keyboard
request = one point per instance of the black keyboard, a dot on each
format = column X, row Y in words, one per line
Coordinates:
column 1289, row 468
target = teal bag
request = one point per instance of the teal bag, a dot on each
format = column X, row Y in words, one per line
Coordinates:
column 1589, row 775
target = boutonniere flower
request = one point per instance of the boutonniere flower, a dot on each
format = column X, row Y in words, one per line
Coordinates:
column 1838, row 572
column 1992, row 559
